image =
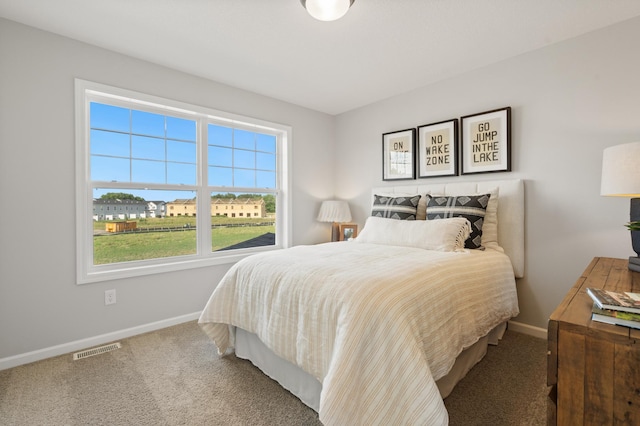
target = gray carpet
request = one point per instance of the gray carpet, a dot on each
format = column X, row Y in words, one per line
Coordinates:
column 174, row 377
column 508, row 387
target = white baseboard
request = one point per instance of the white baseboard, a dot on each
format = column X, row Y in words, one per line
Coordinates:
column 40, row 354
column 519, row 327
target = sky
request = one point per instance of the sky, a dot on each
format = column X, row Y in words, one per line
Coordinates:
column 135, row 146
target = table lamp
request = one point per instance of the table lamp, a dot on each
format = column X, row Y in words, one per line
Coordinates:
column 334, row 211
column 621, row 178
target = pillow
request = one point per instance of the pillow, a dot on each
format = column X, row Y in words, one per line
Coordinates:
column 401, row 207
column 442, row 235
column 471, row 207
column 490, row 223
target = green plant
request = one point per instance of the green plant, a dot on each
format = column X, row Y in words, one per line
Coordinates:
column 633, row 226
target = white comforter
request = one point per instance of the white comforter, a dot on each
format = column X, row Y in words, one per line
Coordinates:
column 376, row 325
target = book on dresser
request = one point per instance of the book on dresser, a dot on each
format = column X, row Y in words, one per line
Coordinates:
column 609, row 316
column 615, row 301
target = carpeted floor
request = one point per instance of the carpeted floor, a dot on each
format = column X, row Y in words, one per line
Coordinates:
column 508, row 387
column 174, row 377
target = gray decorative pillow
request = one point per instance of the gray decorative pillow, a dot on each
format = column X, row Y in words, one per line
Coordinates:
column 401, row 207
column 471, row 207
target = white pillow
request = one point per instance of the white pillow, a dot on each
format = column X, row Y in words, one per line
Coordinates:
column 442, row 235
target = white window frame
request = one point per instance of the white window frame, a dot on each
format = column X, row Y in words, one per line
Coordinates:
column 86, row 271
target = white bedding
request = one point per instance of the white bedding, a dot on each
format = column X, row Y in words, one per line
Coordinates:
column 375, row 324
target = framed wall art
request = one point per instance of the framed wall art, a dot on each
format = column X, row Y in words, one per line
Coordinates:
column 398, row 155
column 438, row 149
column 486, row 142
column 348, row 231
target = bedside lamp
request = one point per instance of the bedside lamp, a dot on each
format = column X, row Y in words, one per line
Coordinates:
column 621, row 178
column 334, row 211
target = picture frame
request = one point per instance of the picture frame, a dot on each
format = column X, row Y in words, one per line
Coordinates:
column 486, row 142
column 347, row 231
column 398, row 155
column 437, row 151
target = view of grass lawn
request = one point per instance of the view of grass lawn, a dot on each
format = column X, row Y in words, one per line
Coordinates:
column 132, row 246
column 180, row 221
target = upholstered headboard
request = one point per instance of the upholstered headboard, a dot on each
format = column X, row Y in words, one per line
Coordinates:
column 510, row 209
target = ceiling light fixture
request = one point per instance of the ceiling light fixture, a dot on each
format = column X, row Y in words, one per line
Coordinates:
column 327, row 10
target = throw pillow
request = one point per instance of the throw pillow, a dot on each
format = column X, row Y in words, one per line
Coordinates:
column 401, row 207
column 442, row 235
column 471, row 207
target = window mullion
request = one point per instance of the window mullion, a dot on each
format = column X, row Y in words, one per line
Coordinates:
column 203, row 219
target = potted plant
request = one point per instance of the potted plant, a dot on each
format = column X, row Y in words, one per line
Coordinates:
column 634, row 227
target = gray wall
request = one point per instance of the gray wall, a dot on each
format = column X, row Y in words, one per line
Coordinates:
column 40, row 304
column 569, row 101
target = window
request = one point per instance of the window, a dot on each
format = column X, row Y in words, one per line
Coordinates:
column 135, row 152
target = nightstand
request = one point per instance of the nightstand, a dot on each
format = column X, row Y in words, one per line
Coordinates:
column 592, row 367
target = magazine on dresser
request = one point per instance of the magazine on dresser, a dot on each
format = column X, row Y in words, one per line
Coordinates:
column 629, row 316
column 610, row 316
column 615, row 321
column 616, row 301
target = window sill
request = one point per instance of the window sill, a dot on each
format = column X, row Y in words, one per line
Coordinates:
column 138, row 269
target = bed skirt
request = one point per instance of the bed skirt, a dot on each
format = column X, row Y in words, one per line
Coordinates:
column 307, row 388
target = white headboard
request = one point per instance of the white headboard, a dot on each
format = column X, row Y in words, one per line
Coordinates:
column 510, row 209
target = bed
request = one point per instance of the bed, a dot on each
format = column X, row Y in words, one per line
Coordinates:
column 380, row 329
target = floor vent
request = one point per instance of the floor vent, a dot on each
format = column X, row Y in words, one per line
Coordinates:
column 96, row 351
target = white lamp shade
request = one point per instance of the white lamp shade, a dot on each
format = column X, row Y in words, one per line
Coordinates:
column 334, row 211
column 621, row 170
column 327, row 10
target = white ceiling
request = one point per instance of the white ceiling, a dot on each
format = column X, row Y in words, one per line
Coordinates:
column 273, row 47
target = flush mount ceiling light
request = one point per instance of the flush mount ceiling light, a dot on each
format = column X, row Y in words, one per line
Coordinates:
column 327, row 10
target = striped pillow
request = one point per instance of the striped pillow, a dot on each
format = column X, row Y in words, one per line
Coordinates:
column 471, row 207
column 401, row 207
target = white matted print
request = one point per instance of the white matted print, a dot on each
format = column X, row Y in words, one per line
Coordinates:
column 398, row 155
column 438, row 149
column 486, row 142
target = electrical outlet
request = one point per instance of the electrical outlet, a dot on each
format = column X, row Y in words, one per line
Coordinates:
column 110, row 297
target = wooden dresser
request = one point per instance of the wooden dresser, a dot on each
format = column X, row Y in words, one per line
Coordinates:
column 593, row 368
